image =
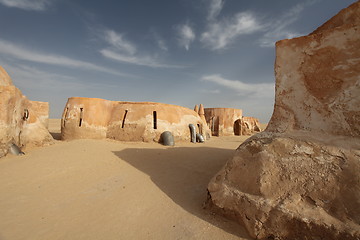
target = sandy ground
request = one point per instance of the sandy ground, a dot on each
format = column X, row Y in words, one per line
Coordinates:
column 103, row 189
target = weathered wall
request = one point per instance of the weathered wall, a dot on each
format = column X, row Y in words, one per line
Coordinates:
column 221, row 120
column 127, row 121
column 95, row 116
column 41, row 110
column 300, row 178
column 15, row 127
column 249, row 125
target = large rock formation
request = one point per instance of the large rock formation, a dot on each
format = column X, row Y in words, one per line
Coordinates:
column 19, row 123
column 300, row 178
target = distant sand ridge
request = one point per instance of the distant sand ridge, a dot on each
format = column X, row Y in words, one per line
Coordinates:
column 300, row 178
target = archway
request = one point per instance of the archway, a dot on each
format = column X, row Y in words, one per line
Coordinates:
column 237, row 127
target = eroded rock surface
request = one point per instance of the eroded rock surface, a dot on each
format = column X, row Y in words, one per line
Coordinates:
column 19, row 124
column 300, row 179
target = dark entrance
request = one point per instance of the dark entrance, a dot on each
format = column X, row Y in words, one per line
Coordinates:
column 237, row 127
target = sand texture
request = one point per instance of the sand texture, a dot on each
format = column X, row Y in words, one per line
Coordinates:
column 104, row 189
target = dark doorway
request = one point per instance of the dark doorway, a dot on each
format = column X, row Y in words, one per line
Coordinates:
column 155, row 119
column 237, row 127
column 81, row 116
column 214, row 123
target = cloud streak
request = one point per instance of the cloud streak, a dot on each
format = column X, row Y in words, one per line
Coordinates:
column 256, row 90
column 186, row 36
column 220, row 34
column 279, row 28
column 118, row 41
column 29, row 5
column 215, row 9
column 141, row 61
column 22, row 53
column 122, row 50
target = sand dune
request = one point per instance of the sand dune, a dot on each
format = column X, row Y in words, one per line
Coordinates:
column 103, row 189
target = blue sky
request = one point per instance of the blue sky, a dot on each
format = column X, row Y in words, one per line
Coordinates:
column 216, row 52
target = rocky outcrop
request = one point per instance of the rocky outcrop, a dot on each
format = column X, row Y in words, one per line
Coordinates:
column 300, row 178
column 18, row 123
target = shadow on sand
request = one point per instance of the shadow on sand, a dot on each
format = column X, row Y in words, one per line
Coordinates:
column 183, row 173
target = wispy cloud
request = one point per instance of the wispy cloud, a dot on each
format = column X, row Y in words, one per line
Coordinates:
column 220, row 34
column 30, row 78
column 186, row 35
column 30, row 5
column 122, row 50
column 22, row 53
column 161, row 43
column 215, row 9
column 118, row 41
column 256, row 89
column 279, row 28
column 141, row 61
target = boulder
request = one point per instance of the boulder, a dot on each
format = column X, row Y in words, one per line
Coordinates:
column 300, row 178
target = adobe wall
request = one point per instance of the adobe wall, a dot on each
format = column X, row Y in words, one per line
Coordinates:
column 250, row 125
column 127, row 121
column 41, row 109
column 221, row 120
column 18, row 123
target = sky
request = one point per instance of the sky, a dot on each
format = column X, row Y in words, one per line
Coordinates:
column 219, row 53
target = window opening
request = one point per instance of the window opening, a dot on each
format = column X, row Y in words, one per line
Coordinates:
column 65, row 115
column 123, row 121
column 26, row 114
column 213, row 124
column 155, row 119
column 81, row 116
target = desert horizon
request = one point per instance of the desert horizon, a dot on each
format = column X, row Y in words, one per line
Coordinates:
column 131, row 159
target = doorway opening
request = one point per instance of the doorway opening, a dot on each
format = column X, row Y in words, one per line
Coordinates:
column 155, row 119
column 81, row 116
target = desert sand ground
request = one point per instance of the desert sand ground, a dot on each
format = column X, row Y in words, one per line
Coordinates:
column 103, row 189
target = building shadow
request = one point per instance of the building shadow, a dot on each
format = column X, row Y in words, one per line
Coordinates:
column 56, row 135
column 183, row 174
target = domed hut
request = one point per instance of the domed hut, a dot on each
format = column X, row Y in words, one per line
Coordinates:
column 127, row 121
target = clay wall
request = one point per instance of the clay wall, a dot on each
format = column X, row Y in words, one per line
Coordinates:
column 41, row 110
column 17, row 124
column 127, row 121
column 250, row 125
column 221, row 121
column 85, row 118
